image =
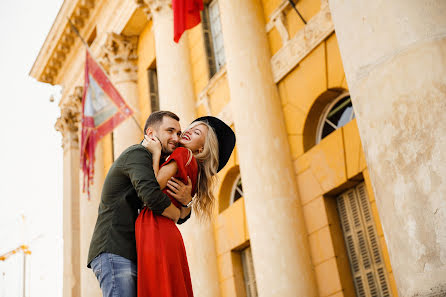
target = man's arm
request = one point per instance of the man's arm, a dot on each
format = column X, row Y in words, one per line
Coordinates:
column 138, row 167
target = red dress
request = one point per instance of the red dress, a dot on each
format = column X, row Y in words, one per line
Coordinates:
column 162, row 263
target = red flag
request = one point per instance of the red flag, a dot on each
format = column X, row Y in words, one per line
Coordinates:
column 103, row 109
column 186, row 15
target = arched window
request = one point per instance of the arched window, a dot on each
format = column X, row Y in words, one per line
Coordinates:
column 237, row 190
column 336, row 115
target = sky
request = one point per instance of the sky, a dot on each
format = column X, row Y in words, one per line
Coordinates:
column 30, row 154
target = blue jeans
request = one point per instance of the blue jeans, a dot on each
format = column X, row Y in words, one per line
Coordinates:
column 116, row 275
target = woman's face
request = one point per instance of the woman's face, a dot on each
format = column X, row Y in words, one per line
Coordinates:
column 194, row 138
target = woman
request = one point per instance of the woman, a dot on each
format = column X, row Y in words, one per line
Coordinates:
column 205, row 148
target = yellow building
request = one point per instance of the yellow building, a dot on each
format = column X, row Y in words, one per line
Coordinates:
column 296, row 213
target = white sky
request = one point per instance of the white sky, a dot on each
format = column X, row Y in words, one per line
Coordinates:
column 30, row 152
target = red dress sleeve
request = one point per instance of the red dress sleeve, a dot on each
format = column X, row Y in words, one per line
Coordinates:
column 187, row 165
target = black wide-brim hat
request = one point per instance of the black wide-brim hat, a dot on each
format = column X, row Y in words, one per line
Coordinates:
column 225, row 136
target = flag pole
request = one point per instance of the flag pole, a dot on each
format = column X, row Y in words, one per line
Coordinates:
column 297, row 11
column 88, row 49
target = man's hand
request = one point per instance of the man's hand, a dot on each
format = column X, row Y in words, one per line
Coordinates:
column 172, row 213
column 180, row 191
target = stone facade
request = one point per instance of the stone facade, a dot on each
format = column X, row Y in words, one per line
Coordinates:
column 280, row 90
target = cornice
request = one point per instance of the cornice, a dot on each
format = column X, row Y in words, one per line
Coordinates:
column 62, row 45
column 61, row 38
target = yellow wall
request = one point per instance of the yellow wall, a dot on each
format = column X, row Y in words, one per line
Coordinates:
column 322, row 172
column 146, row 59
column 200, row 73
column 307, row 8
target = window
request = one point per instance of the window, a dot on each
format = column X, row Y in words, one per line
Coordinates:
column 248, row 273
column 237, row 190
column 336, row 115
column 362, row 244
column 153, row 90
column 213, row 37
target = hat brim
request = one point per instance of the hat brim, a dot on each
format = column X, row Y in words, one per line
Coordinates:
column 225, row 136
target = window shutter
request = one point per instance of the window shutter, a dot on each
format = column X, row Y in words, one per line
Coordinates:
column 363, row 249
column 248, row 273
column 153, row 90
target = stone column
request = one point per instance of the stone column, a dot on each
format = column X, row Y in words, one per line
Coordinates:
column 68, row 124
column 275, row 220
column 173, row 68
column 88, row 216
column 394, row 55
column 177, row 95
column 120, row 60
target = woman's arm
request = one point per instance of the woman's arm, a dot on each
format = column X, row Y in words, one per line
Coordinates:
column 156, row 165
column 165, row 173
column 154, row 146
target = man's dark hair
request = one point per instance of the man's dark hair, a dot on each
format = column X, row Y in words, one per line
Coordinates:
column 156, row 118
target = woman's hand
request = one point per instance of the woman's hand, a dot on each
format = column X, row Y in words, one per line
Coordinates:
column 153, row 144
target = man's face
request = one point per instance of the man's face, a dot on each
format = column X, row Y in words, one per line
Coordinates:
column 168, row 133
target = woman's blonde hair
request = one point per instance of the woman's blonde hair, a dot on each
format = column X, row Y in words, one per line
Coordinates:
column 207, row 161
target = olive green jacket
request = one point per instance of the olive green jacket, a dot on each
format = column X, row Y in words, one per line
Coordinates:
column 130, row 184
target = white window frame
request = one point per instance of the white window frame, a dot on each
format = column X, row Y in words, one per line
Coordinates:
column 216, row 36
column 234, row 188
column 325, row 113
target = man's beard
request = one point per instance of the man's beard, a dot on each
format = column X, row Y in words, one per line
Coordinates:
column 165, row 151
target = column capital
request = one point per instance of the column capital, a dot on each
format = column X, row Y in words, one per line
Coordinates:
column 70, row 118
column 152, row 7
column 119, row 57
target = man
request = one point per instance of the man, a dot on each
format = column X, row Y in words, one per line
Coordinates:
column 130, row 184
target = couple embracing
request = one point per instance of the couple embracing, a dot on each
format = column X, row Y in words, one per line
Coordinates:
column 137, row 249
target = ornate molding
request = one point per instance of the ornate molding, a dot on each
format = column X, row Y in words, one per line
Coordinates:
column 70, row 118
column 151, row 7
column 204, row 100
column 145, row 7
column 294, row 50
column 277, row 19
column 203, row 97
column 79, row 13
column 120, row 57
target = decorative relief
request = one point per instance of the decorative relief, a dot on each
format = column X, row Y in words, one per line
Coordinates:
column 203, row 97
column 277, row 19
column 79, row 17
column 153, row 6
column 204, row 100
column 292, row 52
column 120, row 57
column 70, row 118
column 143, row 5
